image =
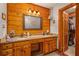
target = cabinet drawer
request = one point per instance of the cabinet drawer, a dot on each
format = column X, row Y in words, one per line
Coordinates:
column 7, row 52
column 27, row 46
column 53, row 41
column 33, row 41
column 25, row 43
column 17, row 44
column 6, row 46
column 37, row 40
column 48, row 39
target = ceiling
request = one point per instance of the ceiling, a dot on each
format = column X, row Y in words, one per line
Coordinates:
column 54, row 5
column 47, row 5
column 50, row 5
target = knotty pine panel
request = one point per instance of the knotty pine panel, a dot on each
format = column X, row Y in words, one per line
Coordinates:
column 15, row 17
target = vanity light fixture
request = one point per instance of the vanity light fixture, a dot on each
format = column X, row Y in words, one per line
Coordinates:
column 38, row 13
column 33, row 12
column 29, row 12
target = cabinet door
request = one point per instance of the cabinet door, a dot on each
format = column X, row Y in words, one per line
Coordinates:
column 46, row 47
column 51, row 48
column 17, row 51
column 26, row 50
column 7, row 52
column 52, row 45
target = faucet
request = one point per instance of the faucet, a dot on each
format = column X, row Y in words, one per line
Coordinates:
column 28, row 34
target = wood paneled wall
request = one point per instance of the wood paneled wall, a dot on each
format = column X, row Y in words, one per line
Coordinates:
column 15, row 17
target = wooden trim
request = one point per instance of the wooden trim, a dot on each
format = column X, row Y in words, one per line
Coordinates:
column 60, row 26
column 65, row 54
column 7, row 19
column 40, row 6
column 77, row 30
column 32, row 28
column 68, row 6
column 49, row 52
column 60, row 32
column 72, row 14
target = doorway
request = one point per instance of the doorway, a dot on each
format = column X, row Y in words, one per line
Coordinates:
column 63, row 30
column 69, row 18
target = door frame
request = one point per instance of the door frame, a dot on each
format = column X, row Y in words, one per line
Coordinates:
column 60, row 27
column 67, row 16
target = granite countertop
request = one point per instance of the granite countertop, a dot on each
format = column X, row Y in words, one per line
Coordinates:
column 15, row 39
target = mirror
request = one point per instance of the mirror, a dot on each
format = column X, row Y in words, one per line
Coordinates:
column 32, row 22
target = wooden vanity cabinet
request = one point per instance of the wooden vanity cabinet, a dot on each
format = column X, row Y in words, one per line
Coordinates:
column 50, row 45
column 22, row 51
column 46, row 47
column 6, row 49
column 26, row 50
column 17, row 51
column 22, row 48
column 7, row 52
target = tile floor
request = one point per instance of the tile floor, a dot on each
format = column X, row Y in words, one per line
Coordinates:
column 52, row 54
column 70, row 51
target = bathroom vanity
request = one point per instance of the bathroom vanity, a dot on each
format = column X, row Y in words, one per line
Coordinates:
column 26, row 46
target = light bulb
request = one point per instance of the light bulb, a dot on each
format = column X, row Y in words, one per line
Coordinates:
column 34, row 13
column 29, row 12
column 38, row 13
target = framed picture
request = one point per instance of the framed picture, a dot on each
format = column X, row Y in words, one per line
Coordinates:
column 3, row 16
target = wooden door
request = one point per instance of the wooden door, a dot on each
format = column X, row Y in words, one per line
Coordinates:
column 46, row 47
column 65, row 31
column 77, row 30
column 26, row 50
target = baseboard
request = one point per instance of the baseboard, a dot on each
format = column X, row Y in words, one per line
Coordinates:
column 61, row 53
